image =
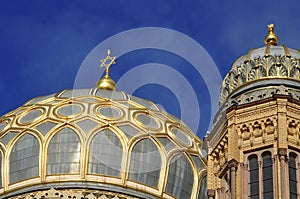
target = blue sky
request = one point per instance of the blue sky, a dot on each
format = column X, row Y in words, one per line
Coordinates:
column 43, row 43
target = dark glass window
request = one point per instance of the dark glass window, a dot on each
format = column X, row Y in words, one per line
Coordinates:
column 180, row 177
column 293, row 176
column 203, row 189
column 267, row 172
column 253, row 182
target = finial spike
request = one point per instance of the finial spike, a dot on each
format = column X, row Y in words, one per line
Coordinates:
column 271, row 38
column 270, row 27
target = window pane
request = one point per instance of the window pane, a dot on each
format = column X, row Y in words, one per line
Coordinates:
column 293, row 187
column 268, row 195
column 105, row 154
column 254, row 190
column 64, row 153
column 293, row 176
column 180, row 177
column 267, row 172
column 253, row 183
column 253, row 175
column 268, row 185
column 145, row 163
column 24, row 159
column 203, row 189
column 253, row 162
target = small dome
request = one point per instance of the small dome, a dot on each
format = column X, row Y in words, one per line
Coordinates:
column 99, row 139
column 261, row 67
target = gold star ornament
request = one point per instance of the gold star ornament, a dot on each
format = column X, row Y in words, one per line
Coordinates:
column 106, row 83
column 108, row 62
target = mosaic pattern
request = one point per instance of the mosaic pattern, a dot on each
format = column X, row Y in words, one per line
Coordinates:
column 92, row 135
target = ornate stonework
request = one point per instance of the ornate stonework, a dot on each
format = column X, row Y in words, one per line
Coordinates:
column 258, row 65
column 72, row 193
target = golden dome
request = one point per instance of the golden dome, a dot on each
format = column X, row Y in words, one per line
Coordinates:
column 269, row 65
column 93, row 139
column 106, row 83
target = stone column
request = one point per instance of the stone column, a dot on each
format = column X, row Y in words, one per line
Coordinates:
column 233, row 164
column 282, row 158
column 219, row 192
column 243, row 180
column 211, row 193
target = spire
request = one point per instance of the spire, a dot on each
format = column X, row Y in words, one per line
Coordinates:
column 106, row 83
column 271, row 38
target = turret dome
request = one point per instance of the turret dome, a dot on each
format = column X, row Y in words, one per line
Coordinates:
column 262, row 70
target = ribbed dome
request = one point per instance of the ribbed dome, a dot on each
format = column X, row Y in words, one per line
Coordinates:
column 98, row 139
column 260, row 67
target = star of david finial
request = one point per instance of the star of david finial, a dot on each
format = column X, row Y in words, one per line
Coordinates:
column 108, row 62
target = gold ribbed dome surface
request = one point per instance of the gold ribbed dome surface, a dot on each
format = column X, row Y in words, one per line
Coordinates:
column 270, row 62
column 99, row 139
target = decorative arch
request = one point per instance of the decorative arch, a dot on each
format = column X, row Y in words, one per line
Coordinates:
column 24, row 158
column 63, row 152
column 145, row 162
column 105, row 153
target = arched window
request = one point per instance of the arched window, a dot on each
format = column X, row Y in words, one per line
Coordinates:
column 203, row 189
column 145, row 163
column 253, row 182
column 293, row 176
column 267, row 175
column 105, row 154
column 180, row 177
column 24, row 159
column 64, row 152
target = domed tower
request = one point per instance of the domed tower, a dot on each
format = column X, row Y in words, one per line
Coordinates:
column 254, row 144
column 98, row 143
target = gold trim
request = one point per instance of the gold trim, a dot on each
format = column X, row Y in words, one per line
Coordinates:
column 26, row 112
column 112, row 106
column 135, row 114
column 71, row 103
column 172, row 127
